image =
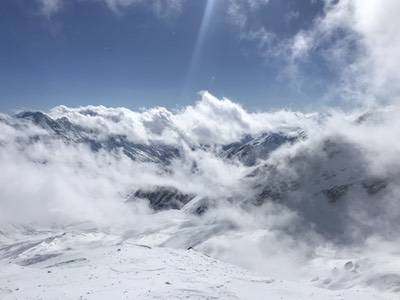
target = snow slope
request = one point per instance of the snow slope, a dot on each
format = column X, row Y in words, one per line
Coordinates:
column 94, row 265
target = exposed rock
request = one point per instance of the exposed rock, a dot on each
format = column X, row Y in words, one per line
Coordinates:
column 336, row 192
column 162, row 197
column 374, row 185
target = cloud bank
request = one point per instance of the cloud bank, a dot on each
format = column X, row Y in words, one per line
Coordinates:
column 213, row 134
column 209, row 121
column 327, row 180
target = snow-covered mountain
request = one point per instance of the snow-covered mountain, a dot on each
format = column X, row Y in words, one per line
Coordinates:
column 248, row 150
column 305, row 200
column 62, row 128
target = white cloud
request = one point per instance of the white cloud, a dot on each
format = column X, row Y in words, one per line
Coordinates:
column 291, row 15
column 50, row 7
column 239, row 11
column 377, row 23
column 209, row 121
column 359, row 39
column 238, row 17
column 162, row 8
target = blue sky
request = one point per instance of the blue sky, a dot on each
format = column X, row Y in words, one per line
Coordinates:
column 137, row 53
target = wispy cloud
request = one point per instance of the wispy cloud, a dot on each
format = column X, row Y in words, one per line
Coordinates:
column 357, row 40
column 50, row 7
column 162, row 8
column 239, row 11
column 240, row 14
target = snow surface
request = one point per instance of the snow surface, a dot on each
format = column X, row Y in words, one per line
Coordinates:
column 94, row 265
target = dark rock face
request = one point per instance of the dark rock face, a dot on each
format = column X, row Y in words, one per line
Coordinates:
column 374, row 185
column 269, row 192
column 201, row 209
column 199, row 205
column 336, row 192
column 162, row 198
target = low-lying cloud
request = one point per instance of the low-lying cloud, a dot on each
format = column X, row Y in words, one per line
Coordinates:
column 330, row 183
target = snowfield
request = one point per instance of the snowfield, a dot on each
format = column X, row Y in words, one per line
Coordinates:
column 93, row 265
